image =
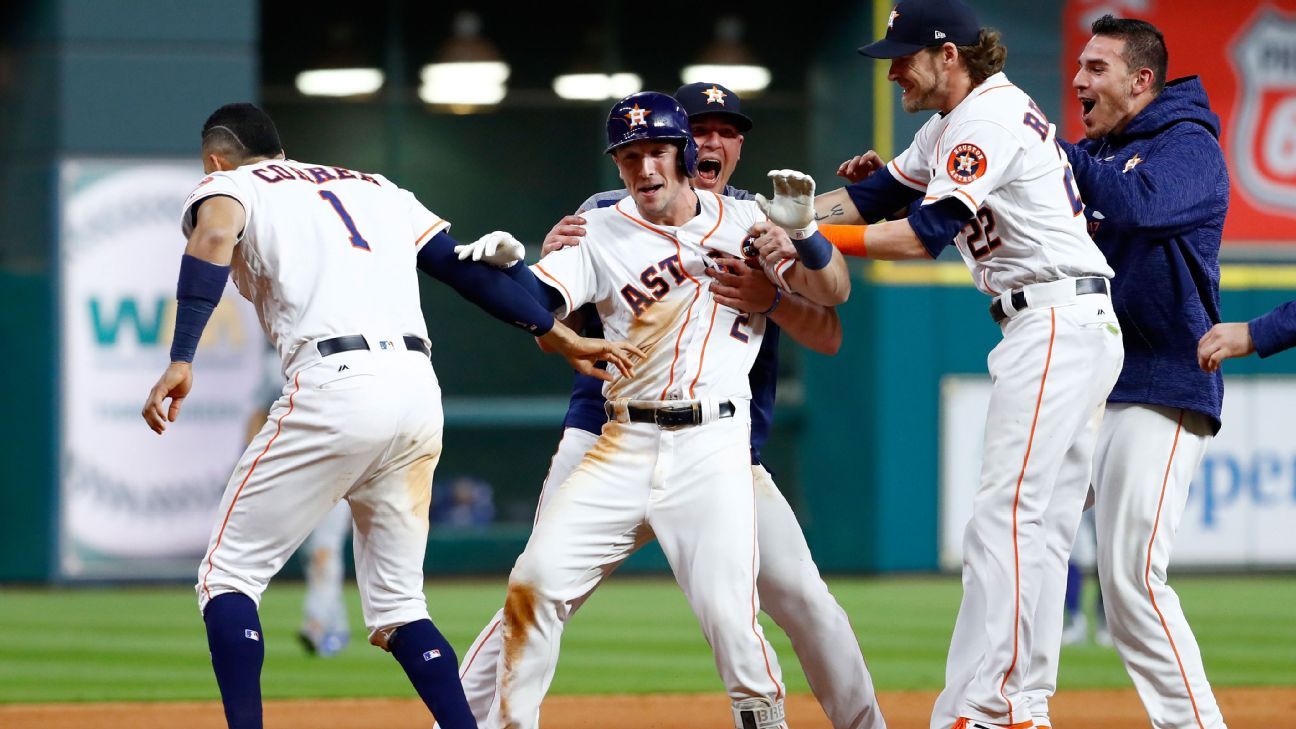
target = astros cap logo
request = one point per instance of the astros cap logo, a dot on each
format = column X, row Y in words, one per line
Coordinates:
column 966, row 163
column 715, row 96
column 895, row 13
column 638, row 117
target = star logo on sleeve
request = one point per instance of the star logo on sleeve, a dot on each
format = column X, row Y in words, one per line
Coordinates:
column 966, row 163
column 891, row 18
column 638, row 117
column 715, row 96
column 1132, row 162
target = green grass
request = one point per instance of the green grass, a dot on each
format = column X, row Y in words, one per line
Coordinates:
column 119, row 644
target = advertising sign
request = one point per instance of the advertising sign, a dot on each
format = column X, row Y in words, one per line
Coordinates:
column 1242, row 501
column 1245, row 54
column 132, row 503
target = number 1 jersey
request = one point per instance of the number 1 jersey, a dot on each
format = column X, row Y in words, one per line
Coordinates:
column 325, row 251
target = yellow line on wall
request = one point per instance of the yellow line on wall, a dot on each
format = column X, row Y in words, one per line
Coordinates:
column 1236, row 277
column 883, row 126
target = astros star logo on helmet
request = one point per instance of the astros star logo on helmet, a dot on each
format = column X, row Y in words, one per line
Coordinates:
column 637, row 116
column 966, row 163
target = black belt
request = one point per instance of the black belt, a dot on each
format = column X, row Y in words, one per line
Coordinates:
column 1090, row 285
column 669, row 416
column 352, row 342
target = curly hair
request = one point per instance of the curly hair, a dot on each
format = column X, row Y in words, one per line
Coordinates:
column 986, row 57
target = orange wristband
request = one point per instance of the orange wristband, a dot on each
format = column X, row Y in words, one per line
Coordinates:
column 849, row 239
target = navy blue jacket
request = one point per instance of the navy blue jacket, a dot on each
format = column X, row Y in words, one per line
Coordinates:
column 1275, row 331
column 1155, row 198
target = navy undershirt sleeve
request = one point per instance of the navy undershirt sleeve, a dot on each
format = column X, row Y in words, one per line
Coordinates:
column 880, row 194
column 486, row 286
column 936, row 225
column 542, row 292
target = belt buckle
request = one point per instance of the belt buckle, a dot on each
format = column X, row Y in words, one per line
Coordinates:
column 690, row 410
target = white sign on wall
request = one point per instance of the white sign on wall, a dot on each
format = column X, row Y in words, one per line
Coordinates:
column 132, row 503
column 1241, row 504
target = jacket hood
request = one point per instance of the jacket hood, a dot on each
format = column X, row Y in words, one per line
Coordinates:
column 1182, row 100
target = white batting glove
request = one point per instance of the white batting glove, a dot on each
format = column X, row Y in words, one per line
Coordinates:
column 498, row 248
column 792, row 208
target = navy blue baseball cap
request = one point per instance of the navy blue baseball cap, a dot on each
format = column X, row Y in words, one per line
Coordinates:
column 704, row 98
column 917, row 24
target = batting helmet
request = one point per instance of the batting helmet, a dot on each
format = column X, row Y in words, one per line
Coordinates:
column 649, row 115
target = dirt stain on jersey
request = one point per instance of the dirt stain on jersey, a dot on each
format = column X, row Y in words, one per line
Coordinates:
column 519, row 619
column 655, row 332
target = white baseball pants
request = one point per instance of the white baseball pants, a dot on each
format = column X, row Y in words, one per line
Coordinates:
column 361, row 425
column 1051, row 375
column 323, row 606
column 1145, row 460
column 791, row 592
column 691, row 489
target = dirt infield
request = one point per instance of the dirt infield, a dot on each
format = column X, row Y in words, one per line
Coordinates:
column 1251, row 708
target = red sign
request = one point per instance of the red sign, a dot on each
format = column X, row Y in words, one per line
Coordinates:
column 1245, row 53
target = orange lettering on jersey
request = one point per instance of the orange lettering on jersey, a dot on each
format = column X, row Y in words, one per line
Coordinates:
column 966, row 163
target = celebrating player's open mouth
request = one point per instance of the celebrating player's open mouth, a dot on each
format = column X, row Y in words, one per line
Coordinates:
column 708, row 172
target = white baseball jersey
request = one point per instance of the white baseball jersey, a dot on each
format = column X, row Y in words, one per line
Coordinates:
column 314, row 230
column 996, row 153
column 649, row 284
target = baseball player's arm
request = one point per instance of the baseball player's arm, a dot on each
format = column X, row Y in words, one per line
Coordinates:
column 204, row 269
column 922, row 235
column 869, row 199
column 1172, row 190
column 1268, row 334
column 820, row 272
column 486, row 286
column 741, row 285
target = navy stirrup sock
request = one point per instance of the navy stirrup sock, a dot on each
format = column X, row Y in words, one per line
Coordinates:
column 237, row 652
column 432, row 667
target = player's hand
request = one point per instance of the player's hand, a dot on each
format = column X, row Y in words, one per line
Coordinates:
column 498, row 248
column 741, row 285
column 1232, row 339
column 584, row 353
column 175, row 383
column 565, row 234
column 793, row 205
column 860, row 166
column 771, row 243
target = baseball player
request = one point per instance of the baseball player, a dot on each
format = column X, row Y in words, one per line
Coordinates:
column 326, row 254
column 992, row 179
column 1268, row 334
column 1154, row 177
column 790, row 588
column 673, row 460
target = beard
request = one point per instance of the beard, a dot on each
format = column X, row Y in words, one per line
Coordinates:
column 923, row 97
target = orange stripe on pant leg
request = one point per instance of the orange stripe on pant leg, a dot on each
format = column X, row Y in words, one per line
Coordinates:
column 1030, row 442
column 468, row 664
column 1147, row 572
column 769, row 671
column 211, row 558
